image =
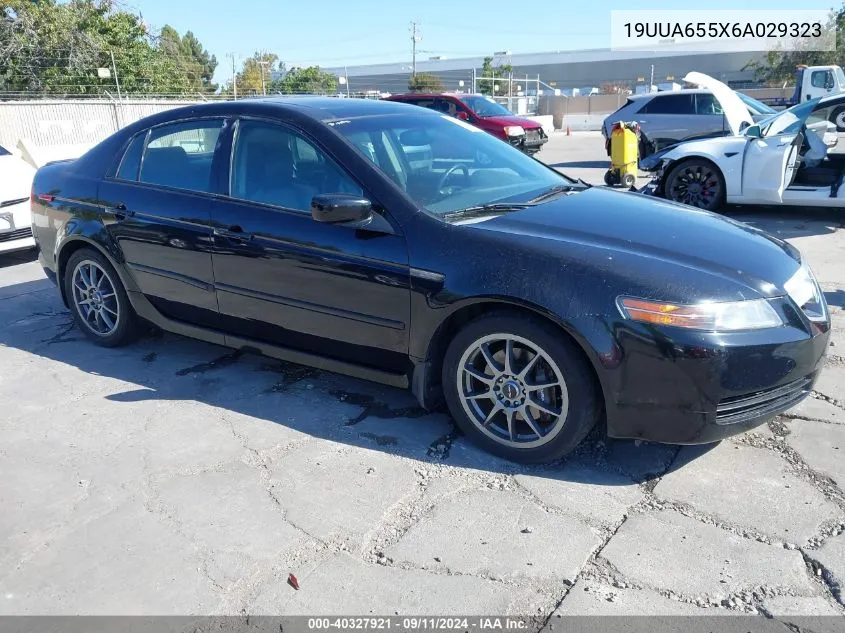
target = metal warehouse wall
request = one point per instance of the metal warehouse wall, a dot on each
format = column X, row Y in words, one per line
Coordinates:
column 47, row 123
column 727, row 67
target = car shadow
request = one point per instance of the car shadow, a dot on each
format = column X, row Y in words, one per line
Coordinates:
column 835, row 298
column 789, row 222
column 18, row 257
column 161, row 367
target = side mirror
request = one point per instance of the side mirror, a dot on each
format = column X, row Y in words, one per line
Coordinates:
column 414, row 138
column 340, row 208
column 753, row 131
column 463, row 116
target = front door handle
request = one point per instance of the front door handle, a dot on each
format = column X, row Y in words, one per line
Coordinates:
column 233, row 233
column 119, row 211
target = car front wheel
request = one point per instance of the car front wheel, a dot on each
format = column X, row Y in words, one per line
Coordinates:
column 97, row 299
column 696, row 182
column 519, row 388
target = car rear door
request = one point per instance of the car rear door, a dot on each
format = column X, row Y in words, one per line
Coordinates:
column 286, row 279
column 709, row 117
column 666, row 119
column 161, row 197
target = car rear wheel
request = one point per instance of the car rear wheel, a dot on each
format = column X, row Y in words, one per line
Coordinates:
column 696, row 182
column 518, row 388
column 97, row 299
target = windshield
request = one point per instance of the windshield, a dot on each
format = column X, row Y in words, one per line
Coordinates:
column 446, row 165
column 789, row 121
column 756, row 107
column 485, row 106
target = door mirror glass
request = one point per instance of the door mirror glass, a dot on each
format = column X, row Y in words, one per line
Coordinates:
column 753, row 131
column 414, row 138
column 339, row 208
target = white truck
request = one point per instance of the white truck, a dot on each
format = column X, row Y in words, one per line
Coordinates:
column 816, row 81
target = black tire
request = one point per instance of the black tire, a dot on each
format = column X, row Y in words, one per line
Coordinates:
column 125, row 322
column 709, row 196
column 837, row 117
column 609, row 178
column 569, row 429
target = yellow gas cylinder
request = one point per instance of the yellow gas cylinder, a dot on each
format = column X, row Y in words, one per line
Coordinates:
column 624, row 155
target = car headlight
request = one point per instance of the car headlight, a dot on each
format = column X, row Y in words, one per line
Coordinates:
column 514, row 130
column 804, row 290
column 730, row 316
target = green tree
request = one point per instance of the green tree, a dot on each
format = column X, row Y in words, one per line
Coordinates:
column 425, row 82
column 191, row 58
column 310, row 80
column 778, row 66
column 256, row 72
column 56, row 48
column 490, row 73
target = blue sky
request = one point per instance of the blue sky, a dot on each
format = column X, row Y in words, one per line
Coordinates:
column 334, row 32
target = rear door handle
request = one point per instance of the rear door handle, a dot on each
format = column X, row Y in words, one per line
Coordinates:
column 233, row 233
column 119, row 211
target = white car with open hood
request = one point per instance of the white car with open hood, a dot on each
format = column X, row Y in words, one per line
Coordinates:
column 15, row 217
column 783, row 159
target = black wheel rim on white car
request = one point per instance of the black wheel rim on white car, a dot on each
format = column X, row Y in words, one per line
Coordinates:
column 95, row 298
column 839, row 120
column 512, row 391
column 696, row 185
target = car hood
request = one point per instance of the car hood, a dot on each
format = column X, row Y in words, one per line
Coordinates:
column 15, row 178
column 662, row 231
column 528, row 124
column 736, row 113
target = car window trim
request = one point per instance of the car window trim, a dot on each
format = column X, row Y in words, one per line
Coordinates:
column 148, row 132
column 300, row 132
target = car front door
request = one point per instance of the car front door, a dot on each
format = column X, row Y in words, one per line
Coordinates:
column 161, row 197
column 769, row 167
column 282, row 277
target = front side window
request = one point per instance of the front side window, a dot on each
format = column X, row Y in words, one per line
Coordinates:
column 485, row 106
column 180, row 155
column 821, row 79
column 274, row 165
column 445, row 164
column 707, row 104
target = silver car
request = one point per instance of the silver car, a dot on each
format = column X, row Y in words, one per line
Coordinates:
column 668, row 117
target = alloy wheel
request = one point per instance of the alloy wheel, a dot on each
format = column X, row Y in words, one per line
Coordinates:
column 697, row 185
column 512, row 390
column 95, row 298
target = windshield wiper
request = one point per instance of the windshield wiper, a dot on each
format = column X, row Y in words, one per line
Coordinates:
column 558, row 189
column 487, row 209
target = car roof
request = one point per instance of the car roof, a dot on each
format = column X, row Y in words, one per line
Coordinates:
column 686, row 91
column 429, row 95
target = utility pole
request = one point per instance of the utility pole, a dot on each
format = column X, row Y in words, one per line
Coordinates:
column 415, row 37
column 114, row 70
column 651, row 81
column 263, row 63
column 234, row 77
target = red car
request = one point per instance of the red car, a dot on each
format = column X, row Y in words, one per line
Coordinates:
column 483, row 112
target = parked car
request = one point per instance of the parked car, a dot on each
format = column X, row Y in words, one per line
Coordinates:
column 483, row 112
column 531, row 303
column 779, row 160
column 15, row 187
column 667, row 118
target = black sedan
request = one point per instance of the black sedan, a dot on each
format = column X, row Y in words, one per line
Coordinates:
column 393, row 243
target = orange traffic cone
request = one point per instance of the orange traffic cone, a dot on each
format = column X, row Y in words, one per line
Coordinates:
column 568, row 131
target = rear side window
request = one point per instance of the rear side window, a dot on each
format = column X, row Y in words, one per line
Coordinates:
column 670, row 104
column 131, row 162
column 180, row 155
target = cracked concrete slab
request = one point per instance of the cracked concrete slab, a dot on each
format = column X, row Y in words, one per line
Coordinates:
column 708, row 481
column 329, row 490
column 497, row 533
column 659, row 550
column 585, row 490
column 780, row 606
column 831, row 555
column 821, row 446
column 588, row 597
column 345, row 585
column 816, row 409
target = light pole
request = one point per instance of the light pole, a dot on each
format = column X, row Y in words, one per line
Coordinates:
column 262, row 64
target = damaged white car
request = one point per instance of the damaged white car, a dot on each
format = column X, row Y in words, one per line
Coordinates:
column 783, row 159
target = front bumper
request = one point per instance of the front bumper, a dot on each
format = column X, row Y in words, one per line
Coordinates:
column 697, row 388
column 531, row 142
column 13, row 235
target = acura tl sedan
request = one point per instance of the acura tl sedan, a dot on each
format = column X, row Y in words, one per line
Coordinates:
column 531, row 304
